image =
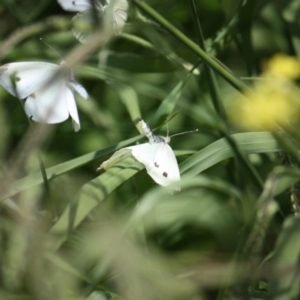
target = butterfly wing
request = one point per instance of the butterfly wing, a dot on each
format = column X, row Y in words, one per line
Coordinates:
column 159, row 160
column 29, row 77
column 77, row 5
column 165, row 165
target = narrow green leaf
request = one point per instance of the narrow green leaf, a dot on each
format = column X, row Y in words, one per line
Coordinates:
column 169, row 103
column 142, row 64
column 231, row 7
column 35, row 179
column 247, row 14
column 286, row 176
column 180, row 64
column 211, row 61
column 149, row 201
column 91, row 195
column 284, row 284
column 290, row 14
column 130, row 99
column 208, row 72
column 159, row 208
column 252, row 142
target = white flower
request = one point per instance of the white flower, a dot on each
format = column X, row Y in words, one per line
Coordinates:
column 47, row 88
column 114, row 15
column 118, row 14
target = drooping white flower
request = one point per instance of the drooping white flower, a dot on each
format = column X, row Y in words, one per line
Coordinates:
column 48, row 89
column 118, row 14
column 114, row 15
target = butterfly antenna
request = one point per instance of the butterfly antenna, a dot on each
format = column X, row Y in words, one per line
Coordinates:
column 191, row 131
column 56, row 52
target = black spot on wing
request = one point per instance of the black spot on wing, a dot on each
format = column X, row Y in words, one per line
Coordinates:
column 18, row 78
column 165, row 174
column 156, row 165
column 74, row 3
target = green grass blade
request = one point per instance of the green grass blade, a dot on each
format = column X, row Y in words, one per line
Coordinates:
column 208, row 72
column 211, row 61
column 285, row 280
column 142, row 64
column 130, row 100
column 161, row 209
column 169, row 103
column 286, row 176
column 290, row 15
column 253, row 142
column 91, row 195
column 177, row 62
column 247, row 15
column 35, row 179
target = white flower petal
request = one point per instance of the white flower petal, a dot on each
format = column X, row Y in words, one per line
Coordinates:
column 72, row 108
column 48, row 89
column 49, row 104
column 79, row 89
column 75, row 5
column 118, row 11
column 29, row 77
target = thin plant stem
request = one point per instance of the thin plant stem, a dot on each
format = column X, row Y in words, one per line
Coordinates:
column 210, row 76
column 49, row 24
column 208, row 59
column 214, row 92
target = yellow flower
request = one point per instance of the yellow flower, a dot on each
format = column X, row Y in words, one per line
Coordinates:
column 274, row 101
column 282, row 65
column 270, row 105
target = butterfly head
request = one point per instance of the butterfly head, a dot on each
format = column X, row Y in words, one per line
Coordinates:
column 159, row 139
column 167, row 139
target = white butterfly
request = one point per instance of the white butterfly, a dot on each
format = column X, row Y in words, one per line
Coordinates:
column 117, row 10
column 157, row 156
column 48, row 89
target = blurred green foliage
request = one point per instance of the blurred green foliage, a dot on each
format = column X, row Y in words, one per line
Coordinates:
column 232, row 232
